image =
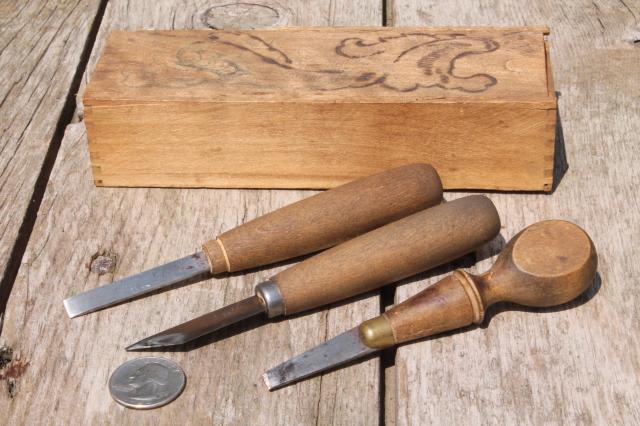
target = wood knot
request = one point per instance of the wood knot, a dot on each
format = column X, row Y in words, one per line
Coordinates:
column 11, row 369
column 6, row 355
column 103, row 263
column 241, row 16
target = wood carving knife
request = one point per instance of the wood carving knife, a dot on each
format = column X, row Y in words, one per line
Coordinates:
column 400, row 249
column 546, row 264
column 310, row 225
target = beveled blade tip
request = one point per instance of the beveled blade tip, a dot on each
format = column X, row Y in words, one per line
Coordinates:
column 202, row 325
column 137, row 346
column 136, row 285
column 160, row 340
column 269, row 381
column 71, row 309
column 78, row 305
column 341, row 349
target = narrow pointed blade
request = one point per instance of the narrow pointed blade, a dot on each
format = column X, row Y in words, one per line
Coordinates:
column 136, row 285
column 202, row 325
column 332, row 353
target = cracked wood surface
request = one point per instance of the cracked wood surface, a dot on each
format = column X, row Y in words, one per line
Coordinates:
column 580, row 364
column 41, row 46
column 68, row 362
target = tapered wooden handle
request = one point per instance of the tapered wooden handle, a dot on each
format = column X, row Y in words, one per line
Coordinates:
column 395, row 251
column 547, row 264
column 326, row 219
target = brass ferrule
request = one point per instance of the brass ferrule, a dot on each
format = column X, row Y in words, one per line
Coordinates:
column 377, row 333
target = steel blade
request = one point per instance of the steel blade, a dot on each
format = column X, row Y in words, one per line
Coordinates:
column 136, row 285
column 202, row 325
column 332, row 353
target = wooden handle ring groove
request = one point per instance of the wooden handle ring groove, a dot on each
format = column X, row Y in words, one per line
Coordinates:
column 472, row 293
column 224, row 254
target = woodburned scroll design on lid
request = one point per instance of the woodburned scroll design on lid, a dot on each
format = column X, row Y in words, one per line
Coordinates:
column 405, row 62
column 434, row 55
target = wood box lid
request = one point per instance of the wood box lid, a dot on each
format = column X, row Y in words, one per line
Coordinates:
column 333, row 65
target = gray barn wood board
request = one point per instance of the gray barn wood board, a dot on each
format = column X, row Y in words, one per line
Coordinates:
column 143, row 228
column 41, row 45
column 580, row 365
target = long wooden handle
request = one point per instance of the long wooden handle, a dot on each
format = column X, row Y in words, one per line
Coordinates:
column 326, row 219
column 547, row 264
column 390, row 253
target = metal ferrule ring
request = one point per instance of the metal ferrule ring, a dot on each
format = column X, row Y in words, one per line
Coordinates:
column 270, row 295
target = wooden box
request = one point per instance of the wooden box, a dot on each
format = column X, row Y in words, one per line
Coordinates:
column 315, row 107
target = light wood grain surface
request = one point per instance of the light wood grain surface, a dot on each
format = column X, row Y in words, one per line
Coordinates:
column 579, row 365
column 323, row 145
column 318, row 107
column 41, row 46
column 69, row 361
column 323, row 65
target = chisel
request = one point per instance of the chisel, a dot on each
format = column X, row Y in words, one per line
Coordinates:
column 310, row 225
column 546, row 264
column 387, row 254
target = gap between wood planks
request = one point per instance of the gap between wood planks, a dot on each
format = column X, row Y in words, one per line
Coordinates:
column 66, row 117
column 387, row 298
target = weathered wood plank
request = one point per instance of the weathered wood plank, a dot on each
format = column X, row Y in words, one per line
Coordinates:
column 41, row 44
column 573, row 366
column 68, row 362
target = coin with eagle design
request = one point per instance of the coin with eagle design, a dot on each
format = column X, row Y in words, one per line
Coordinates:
column 147, row 382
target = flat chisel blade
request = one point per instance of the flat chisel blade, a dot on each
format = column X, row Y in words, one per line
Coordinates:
column 332, row 353
column 136, row 285
column 202, row 325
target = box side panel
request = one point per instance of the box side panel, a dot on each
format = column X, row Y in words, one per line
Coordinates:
column 92, row 135
column 282, row 145
column 550, row 86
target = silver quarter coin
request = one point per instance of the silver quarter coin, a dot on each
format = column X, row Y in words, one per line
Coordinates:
column 147, row 382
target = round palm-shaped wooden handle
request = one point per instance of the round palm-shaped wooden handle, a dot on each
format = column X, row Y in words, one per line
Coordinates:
column 326, row 219
column 546, row 264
